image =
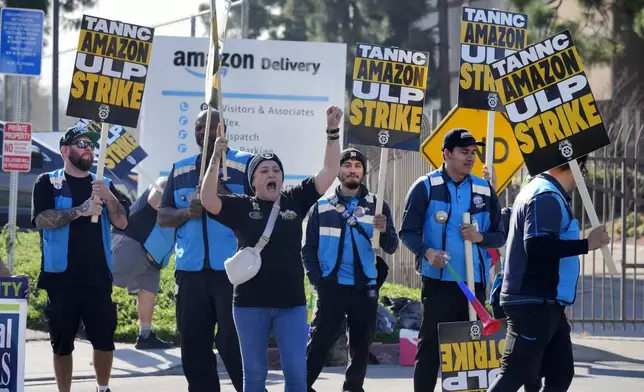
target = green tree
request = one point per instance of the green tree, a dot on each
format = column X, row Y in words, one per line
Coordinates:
column 607, row 32
column 262, row 17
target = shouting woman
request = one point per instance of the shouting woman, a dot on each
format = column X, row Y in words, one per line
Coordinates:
column 274, row 299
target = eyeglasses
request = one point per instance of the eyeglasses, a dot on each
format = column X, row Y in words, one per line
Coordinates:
column 83, row 144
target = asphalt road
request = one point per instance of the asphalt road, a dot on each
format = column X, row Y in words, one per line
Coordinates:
column 590, row 377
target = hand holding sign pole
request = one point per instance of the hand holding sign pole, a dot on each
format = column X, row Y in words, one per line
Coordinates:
column 219, row 16
column 552, row 111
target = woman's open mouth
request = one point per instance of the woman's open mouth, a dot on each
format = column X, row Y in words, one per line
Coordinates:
column 271, row 186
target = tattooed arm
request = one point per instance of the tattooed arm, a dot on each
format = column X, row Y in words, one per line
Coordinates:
column 52, row 219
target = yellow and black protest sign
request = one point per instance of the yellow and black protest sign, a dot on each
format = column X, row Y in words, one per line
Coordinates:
column 486, row 36
column 470, row 362
column 549, row 103
column 388, row 96
column 123, row 152
column 110, row 71
column 507, row 157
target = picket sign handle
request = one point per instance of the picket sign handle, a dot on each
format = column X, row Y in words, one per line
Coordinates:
column 380, row 195
column 100, row 166
column 489, row 144
column 224, row 161
column 590, row 210
column 150, row 180
column 469, row 266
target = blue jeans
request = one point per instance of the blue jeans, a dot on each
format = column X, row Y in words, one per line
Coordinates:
column 290, row 329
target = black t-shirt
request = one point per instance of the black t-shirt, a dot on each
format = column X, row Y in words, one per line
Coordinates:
column 86, row 265
column 280, row 281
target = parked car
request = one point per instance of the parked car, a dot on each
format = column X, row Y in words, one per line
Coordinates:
column 45, row 159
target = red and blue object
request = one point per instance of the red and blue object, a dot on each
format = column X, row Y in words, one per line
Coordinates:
column 490, row 325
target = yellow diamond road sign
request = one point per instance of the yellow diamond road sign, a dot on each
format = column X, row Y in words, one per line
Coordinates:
column 507, row 156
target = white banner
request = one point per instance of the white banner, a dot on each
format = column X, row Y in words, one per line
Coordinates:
column 275, row 95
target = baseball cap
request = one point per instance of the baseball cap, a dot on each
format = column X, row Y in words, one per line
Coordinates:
column 459, row 137
column 353, row 153
column 77, row 131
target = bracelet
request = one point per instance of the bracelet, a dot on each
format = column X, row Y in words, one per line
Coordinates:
column 333, row 137
column 333, row 131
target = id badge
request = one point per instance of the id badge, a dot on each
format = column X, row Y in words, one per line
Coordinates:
column 371, row 293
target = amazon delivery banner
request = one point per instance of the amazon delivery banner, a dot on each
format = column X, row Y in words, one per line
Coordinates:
column 275, row 95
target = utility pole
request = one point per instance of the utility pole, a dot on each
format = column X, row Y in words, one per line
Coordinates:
column 54, row 74
column 245, row 12
column 443, row 56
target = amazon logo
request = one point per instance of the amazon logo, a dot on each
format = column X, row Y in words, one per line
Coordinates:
column 190, row 60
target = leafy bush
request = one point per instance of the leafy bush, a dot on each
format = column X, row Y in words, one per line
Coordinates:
column 27, row 261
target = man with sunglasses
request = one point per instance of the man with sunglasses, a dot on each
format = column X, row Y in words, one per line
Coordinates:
column 540, row 277
column 76, row 254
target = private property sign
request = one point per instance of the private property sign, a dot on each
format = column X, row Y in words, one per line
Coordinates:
column 16, row 147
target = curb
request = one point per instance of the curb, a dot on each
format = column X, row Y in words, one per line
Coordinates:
column 163, row 372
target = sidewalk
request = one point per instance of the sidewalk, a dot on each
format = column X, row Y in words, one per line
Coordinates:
column 130, row 362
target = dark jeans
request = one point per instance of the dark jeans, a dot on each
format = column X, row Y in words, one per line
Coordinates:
column 333, row 304
column 204, row 299
column 537, row 343
column 442, row 302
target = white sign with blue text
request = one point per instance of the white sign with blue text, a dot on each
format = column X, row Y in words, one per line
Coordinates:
column 21, row 41
column 275, row 96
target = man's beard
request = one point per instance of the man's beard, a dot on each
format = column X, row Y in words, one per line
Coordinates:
column 350, row 183
column 80, row 162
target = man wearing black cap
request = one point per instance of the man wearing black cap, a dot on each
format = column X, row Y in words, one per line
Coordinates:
column 76, row 254
column 432, row 228
column 204, row 294
column 341, row 264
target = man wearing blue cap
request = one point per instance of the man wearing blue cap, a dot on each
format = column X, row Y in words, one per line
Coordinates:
column 432, row 228
column 76, row 254
column 204, row 294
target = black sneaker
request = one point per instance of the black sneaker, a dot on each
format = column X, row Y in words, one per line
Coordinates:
column 151, row 342
column 108, row 390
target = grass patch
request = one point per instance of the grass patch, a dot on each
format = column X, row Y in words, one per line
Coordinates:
column 28, row 258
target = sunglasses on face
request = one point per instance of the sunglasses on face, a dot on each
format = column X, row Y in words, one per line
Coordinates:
column 83, row 144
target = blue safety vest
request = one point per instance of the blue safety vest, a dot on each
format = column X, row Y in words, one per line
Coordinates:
column 221, row 241
column 157, row 241
column 474, row 196
column 55, row 242
column 333, row 230
column 568, row 230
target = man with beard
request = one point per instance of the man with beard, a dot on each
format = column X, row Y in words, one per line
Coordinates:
column 432, row 228
column 341, row 264
column 76, row 255
column 204, row 294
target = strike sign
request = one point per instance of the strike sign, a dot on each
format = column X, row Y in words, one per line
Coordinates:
column 388, row 94
column 486, row 36
column 123, row 152
column 549, row 103
column 110, row 71
column 16, row 147
column 470, row 361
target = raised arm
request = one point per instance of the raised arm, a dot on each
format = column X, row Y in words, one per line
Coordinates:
column 210, row 185
column 324, row 179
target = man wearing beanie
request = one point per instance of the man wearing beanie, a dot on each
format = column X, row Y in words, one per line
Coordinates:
column 341, row 264
column 204, row 293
